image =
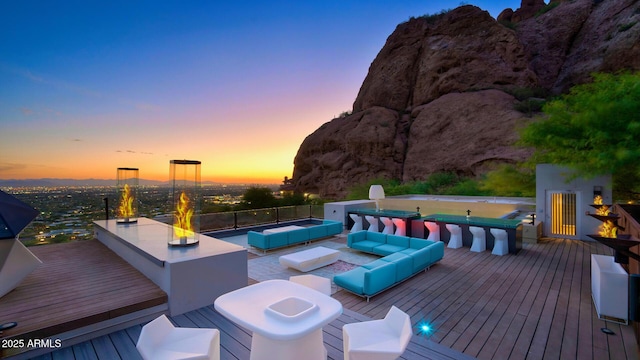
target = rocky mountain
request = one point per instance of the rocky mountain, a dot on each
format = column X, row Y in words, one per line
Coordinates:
column 440, row 94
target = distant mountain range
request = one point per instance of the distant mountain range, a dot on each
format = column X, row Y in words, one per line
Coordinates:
column 47, row 182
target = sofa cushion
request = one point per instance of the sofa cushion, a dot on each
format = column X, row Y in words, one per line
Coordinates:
column 397, row 240
column 352, row 280
column 333, row 227
column 404, row 265
column 356, row 237
column 297, row 236
column 418, row 243
column 374, row 264
column 437, row 251
column 379, row 278
column 366, row 245
column 386, row 249
column 277, row 240
column 317, row 232
column 378, row 237
column 421, row 258
column 257, row 239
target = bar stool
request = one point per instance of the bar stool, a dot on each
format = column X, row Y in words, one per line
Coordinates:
column 500, row 245
column 479, row 239
column 357, row 222
column 455, row 241
column 401, row 226
column 373, row 223
column 388, row 225
column 434, row 231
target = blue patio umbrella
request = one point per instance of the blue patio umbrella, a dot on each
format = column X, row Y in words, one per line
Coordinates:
column 15, row 215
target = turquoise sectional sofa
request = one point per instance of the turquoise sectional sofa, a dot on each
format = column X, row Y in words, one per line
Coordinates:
column 292, row 237
column 403, row 257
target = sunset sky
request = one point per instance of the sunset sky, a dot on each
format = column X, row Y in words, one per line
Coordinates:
column 87, row 87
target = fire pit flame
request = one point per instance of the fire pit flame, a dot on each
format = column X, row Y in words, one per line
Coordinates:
column 182, row 224
column 608, row 229
column 125, row 210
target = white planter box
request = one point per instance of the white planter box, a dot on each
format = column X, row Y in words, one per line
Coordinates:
column 609, row 289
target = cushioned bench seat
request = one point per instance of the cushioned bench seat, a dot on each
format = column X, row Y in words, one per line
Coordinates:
column 403, row 258
column 275, row 240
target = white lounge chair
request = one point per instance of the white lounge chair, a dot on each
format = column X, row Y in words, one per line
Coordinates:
column 377, row 339
column 159, row 339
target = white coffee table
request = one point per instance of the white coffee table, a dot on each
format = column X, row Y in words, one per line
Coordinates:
column 310, row 259
column 286, row 318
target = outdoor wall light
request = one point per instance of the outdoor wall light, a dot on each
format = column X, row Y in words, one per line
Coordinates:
column 127, row 185
column 186, row 196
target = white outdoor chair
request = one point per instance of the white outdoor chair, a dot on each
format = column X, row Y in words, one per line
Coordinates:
column 357, row 222
column 434, row 231
column 373, row 223
column 377, row 339
column 401, row 226
column 500, row 245
column 159, row 339
column 388, row 225
column 314, row 282
column 455, row 241
column 479, row 243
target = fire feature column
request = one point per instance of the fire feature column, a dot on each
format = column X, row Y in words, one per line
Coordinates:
column 185, row 181
column 127, row 185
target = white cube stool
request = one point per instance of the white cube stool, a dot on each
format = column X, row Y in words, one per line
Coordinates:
column 501, row 244
column 388, row 225
column 159, row 339
column 357, row 222
column 314, row 282
column 455, row 241
column 479, row 243
column 401, row 227
column 373, row 223
column 434, row 231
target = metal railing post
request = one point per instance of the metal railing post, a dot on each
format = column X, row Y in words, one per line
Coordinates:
column 235, row 220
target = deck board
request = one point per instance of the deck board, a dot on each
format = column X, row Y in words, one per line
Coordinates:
column 78, row 284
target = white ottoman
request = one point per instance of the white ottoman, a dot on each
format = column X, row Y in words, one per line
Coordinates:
column 314, row 282
column 311, row 259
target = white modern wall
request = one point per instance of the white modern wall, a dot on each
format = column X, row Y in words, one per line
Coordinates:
column 555, row 178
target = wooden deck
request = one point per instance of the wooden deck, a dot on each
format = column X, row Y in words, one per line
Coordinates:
column 534, row 305
column 79, row 284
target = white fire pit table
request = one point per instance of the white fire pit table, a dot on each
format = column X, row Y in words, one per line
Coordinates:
column 286, row 318
column 310, row 259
